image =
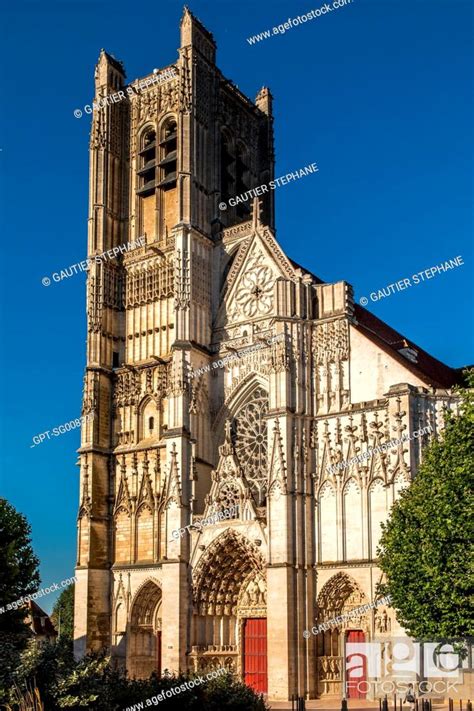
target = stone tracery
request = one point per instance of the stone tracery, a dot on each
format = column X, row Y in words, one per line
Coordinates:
column 251, row 441
column 255, row 292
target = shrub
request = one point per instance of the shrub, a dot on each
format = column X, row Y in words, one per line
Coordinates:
column 51, row 672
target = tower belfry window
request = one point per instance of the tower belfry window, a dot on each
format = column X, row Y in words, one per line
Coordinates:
column 169, row 152
column 147, row 165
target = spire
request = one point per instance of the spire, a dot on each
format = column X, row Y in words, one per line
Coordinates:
column 277, row 470
column 194, row 33
column 173, row 484
column 109, row 72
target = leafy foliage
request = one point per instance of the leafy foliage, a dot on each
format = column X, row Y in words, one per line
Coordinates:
column 63, row 613
column 93, row 683
column 18, row 577
column 426, row 548
column 18, row 566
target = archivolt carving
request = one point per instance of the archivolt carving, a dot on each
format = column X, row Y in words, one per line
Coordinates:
column 145, row 603
column 221, row 572
column 339, row 596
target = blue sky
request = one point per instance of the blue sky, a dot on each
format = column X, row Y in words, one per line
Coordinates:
column 378, row 94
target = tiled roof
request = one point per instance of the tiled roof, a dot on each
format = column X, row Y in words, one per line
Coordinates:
column 429, row 369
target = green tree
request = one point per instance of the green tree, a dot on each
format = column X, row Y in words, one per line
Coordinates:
column 63, row 613
column 426, row 548
column 19, row 577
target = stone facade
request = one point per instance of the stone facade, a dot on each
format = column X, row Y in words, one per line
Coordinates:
column 175, row 439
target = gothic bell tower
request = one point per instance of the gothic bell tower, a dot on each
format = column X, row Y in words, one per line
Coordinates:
column 162, row 158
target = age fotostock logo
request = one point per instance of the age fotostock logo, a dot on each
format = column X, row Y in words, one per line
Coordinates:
column 388, row 667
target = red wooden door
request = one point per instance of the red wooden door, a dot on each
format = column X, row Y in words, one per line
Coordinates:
column 357, row 674
column 158, row 652
column 255, row 653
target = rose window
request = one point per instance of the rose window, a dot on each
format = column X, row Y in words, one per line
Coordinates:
column 229, row 498
column 251, row 442
column 255, row 294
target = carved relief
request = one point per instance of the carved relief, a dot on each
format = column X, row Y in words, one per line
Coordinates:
column 85, row 508
column 98, row 136
column 173, row 482
column 383, row 623
column 229, row 488
column 253, row 594
column 127, row 388
column 150, row 102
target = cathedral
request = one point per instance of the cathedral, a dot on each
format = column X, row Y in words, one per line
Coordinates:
column 234, row 477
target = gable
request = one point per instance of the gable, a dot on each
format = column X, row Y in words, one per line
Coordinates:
column 247, row 293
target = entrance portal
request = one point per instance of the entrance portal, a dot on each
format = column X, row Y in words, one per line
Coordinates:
column 144, row 650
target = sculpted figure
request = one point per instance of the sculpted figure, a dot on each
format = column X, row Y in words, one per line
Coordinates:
column 253, row 593
column 325, row 667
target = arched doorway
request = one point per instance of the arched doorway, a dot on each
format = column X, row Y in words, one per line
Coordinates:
column 230, row 609
column 144, row 649
column 338, row 598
